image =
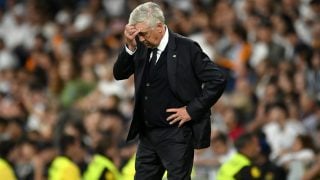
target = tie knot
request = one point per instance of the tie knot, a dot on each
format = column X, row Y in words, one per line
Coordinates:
column 154, row 50
column 153, row 59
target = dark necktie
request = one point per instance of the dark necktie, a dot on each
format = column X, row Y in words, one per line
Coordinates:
column 154, row 56
column 153, row 59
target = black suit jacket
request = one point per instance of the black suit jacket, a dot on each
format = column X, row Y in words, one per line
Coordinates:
column 194, row 79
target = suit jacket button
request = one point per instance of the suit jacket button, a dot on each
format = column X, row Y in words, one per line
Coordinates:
column 146, row 123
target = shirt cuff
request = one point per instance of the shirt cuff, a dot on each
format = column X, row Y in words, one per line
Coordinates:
column 129, row 51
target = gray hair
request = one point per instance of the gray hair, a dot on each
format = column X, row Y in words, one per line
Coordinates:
column 149, row 12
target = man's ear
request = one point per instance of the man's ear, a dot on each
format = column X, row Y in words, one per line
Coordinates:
column 159, row 27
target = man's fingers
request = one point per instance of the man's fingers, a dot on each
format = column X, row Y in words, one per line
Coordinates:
column 134, row 34
column 173, row 116
column 126, row 33
column 181, row 123
column 177, row 119
column 172, row 110
column 129, row 27
column 131, row 34
column 131, row 31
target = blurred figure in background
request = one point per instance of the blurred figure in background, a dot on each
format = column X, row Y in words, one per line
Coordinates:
column 299, row 157
column 7, row 59
column 314, row 171
column 269, row 169
column 280, row 131
column 105, row 162
column 237, row 54
column 64, row 166
column 265, row 49
column 240, row 165
column 24, row 165
column 234, row 128
column 6, row 170
column 208, row 162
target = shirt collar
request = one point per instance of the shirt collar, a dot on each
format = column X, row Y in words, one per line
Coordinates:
column 164, row 41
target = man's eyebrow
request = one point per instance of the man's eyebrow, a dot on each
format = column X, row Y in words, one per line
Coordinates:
column 143, row 33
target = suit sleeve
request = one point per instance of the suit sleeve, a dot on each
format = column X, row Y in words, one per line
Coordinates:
column 213, row 80
column 124, row 66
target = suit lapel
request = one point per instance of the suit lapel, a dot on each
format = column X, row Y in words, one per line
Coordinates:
column 172, row 62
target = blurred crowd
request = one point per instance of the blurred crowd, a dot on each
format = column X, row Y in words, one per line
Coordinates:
column 56, row 82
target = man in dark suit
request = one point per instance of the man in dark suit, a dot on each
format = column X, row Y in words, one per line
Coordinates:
column 175, row 86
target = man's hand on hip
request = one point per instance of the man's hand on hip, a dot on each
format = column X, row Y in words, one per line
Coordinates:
column 180, row 115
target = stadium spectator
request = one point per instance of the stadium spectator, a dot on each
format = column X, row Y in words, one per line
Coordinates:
column 299, row 157
column 64, row 165
column 6, row 169
column 281, row 131
column 208, row 162
column 105, row 162
column 240, row 165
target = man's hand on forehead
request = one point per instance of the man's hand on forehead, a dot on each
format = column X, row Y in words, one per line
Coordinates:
column 132, row 29
column 130, row 33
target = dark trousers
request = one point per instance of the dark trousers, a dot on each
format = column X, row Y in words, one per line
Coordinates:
column 163, row 149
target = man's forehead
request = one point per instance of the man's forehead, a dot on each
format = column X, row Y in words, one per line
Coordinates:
column 141, row 26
